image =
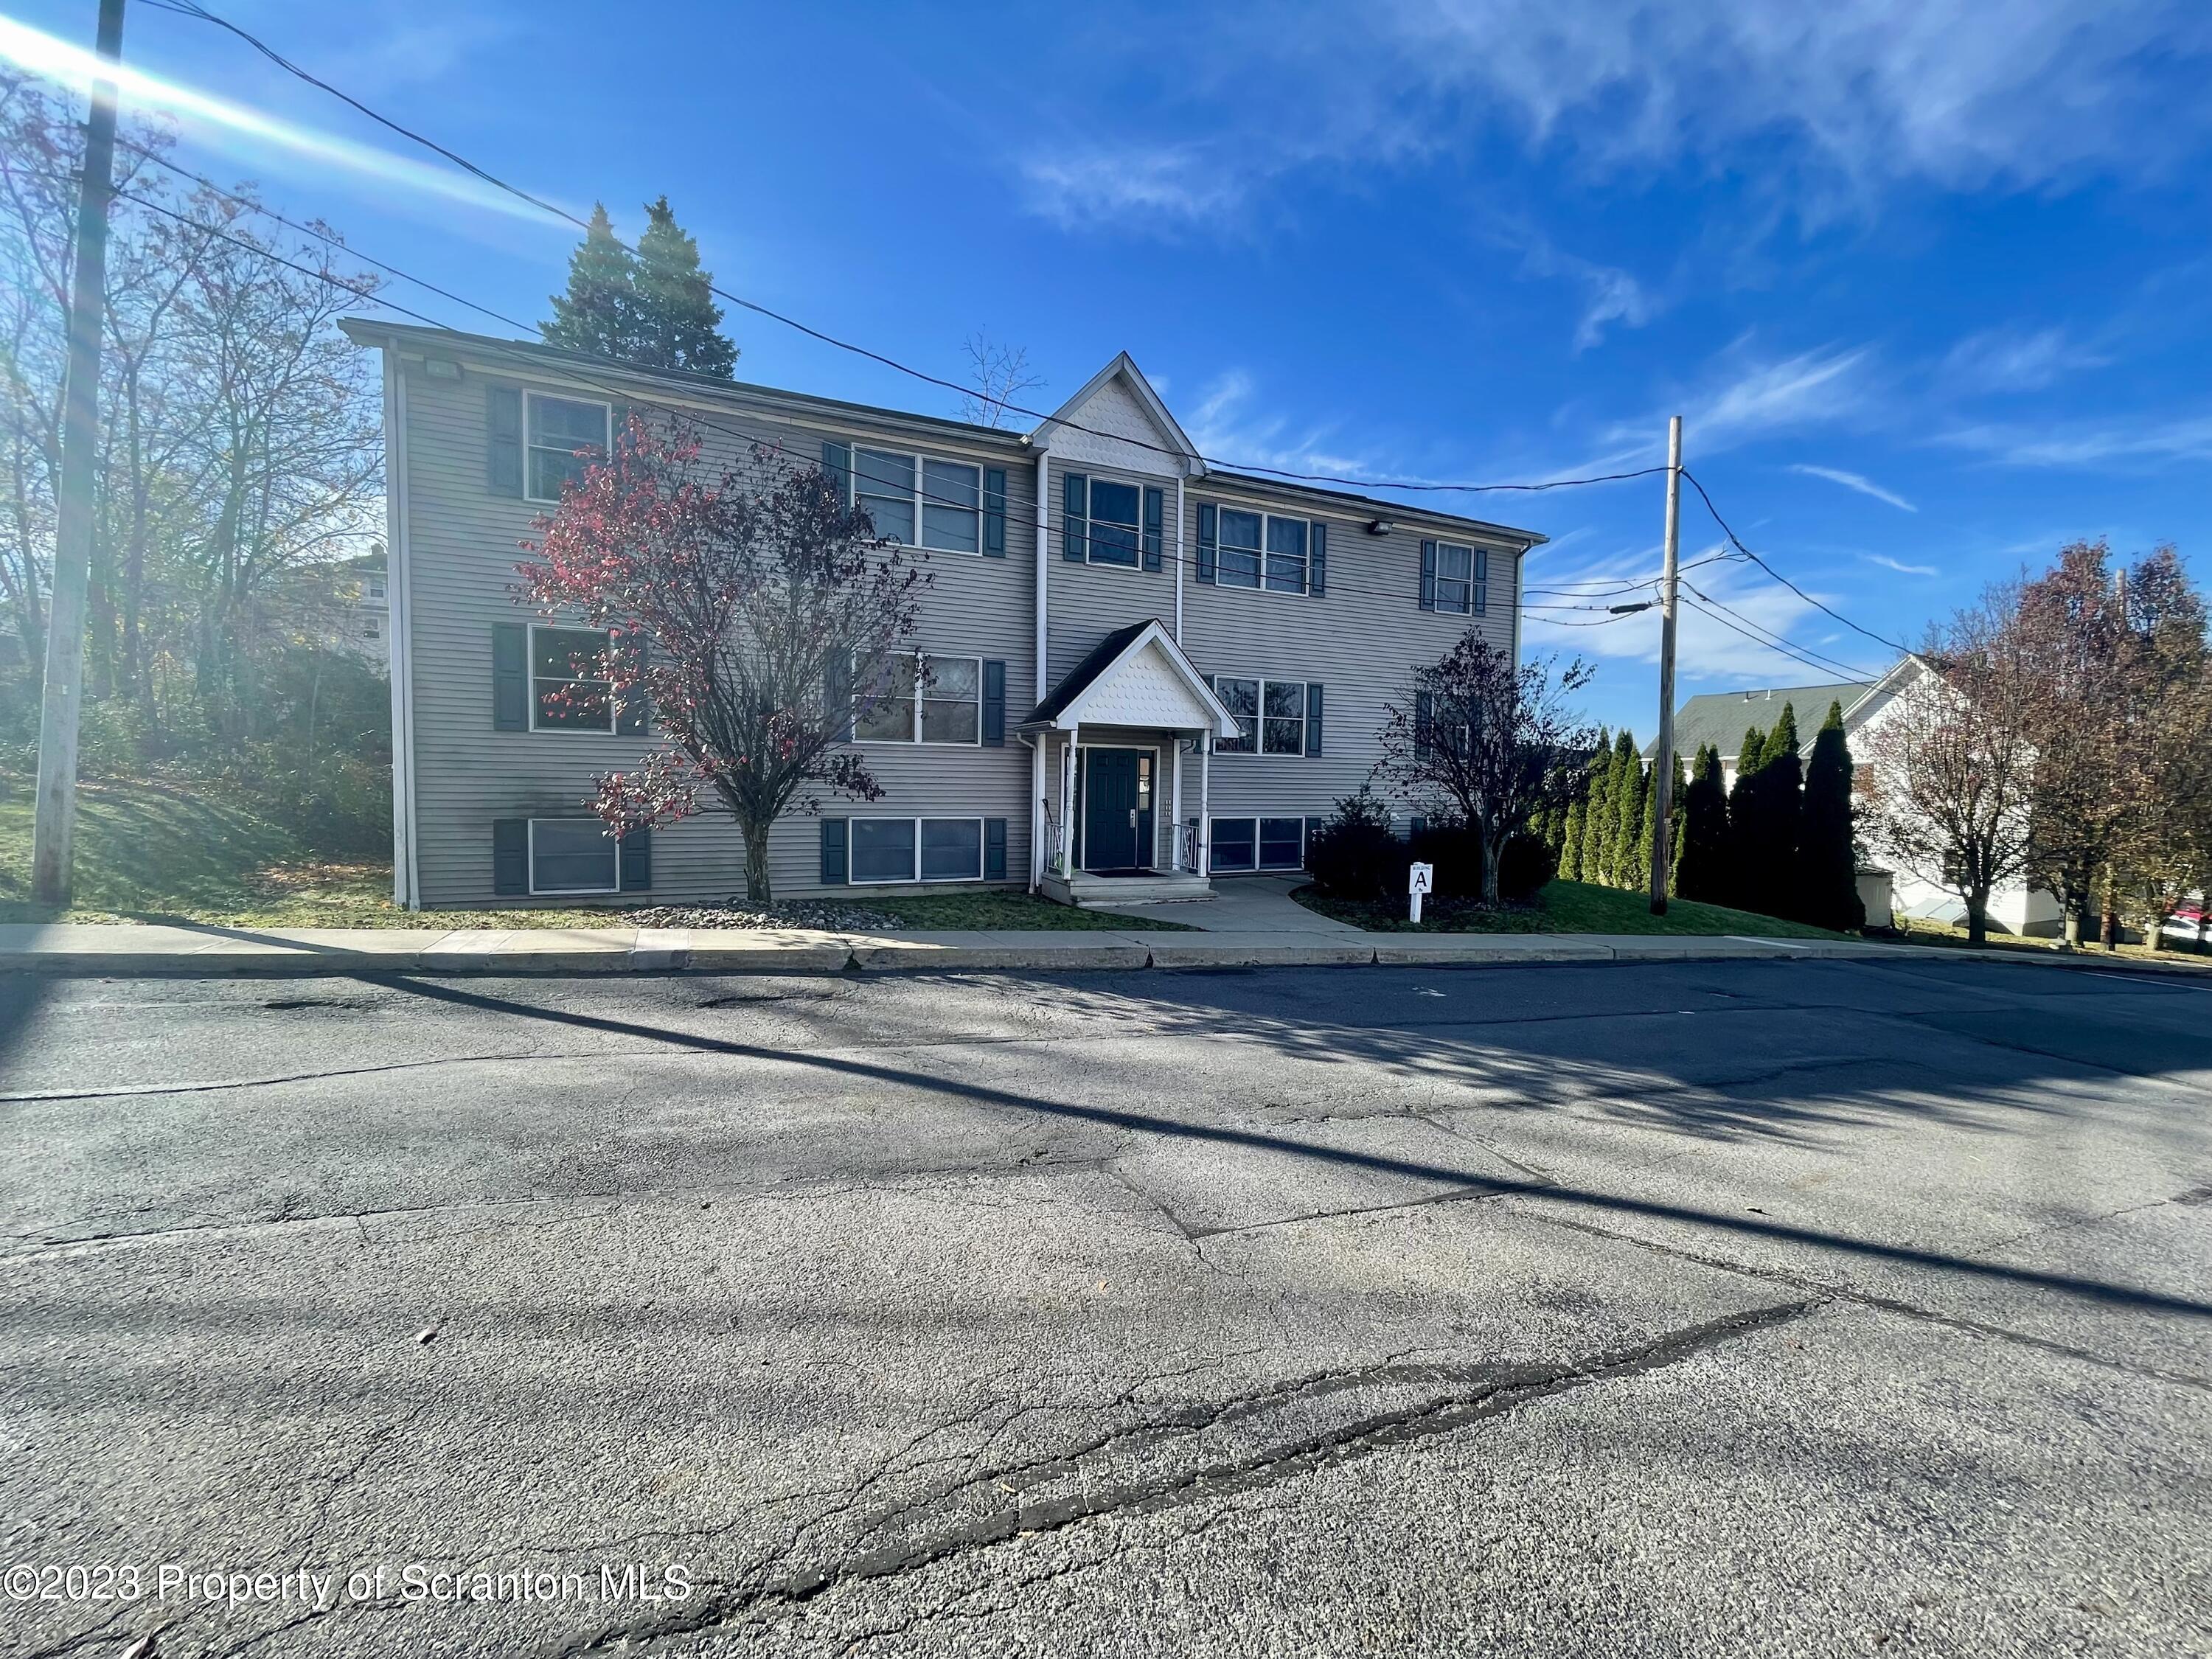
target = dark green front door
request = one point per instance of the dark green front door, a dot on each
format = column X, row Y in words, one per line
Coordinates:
column 1116, row 809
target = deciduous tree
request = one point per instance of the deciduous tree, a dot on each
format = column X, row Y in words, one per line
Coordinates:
column 1486, row 740
column 757, row 611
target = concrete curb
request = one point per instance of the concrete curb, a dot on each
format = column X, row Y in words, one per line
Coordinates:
column 139, row 950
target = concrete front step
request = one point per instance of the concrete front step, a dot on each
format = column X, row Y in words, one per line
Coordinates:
column 1090, row 892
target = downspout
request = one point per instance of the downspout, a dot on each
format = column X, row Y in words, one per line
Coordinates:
column 1044, row 564
column 406, row 872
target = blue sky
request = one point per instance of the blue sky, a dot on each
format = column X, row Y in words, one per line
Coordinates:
column 1929, row 281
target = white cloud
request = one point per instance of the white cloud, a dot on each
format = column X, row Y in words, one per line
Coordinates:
column 1857, row 481
column 1149, row 185
column 1745, row 398
column 1837, row 101
column 2151, row 442
column 1902, row 568
column 1229, row 424
column 2007, row 359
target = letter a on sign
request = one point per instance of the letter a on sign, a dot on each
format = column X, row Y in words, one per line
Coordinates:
column 1419, row 879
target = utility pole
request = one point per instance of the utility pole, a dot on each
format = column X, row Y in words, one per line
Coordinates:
column 1662, row 783
column 54, row 815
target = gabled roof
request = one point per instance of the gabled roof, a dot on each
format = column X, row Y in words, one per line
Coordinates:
column 1063, row 707
column 1124, row 369
column 1719, row 718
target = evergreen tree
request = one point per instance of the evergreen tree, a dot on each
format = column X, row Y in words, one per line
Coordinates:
column 1746, row 837
column 652, row 307
column 1597, row 814
column 1704, row 870
column 1647, row 831
column 678, row 323
column 1570, row 850
column 1678, row 798
column 1781, row 807
column 1628, row 810
column 596, row 314
column 1827, row 864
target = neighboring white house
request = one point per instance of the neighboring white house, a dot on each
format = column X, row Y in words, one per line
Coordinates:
column 1721, row 719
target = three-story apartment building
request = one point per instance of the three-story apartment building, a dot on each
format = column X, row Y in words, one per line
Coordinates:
column 1143, row 672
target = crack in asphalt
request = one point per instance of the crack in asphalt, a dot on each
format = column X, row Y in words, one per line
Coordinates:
column 1468, row 1394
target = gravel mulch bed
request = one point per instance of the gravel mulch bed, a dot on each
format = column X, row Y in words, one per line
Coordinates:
column 795, row 913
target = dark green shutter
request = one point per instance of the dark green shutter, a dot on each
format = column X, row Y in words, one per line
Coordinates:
column 1206, row 522
column 510, row 677
column 1428, row 576
column 1313, row 829
column 617, row 426
column 995, row 703
column 1425, row 717
column 1317, row 580
column 1416, row 824
column 504, row 445
column 1074, row 516
column 1481, row 580
column 837, row 698
column 833, row 852
column 510, row 856
column 1155, row 511
column 636, row 861
column 994, row 513
column 995, row 849
column 1312, row 717
column 635, row 713
column 837, row 464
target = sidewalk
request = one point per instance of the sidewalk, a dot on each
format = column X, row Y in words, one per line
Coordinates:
column 136, row 949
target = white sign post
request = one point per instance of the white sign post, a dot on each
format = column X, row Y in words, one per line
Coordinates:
column 1421, row 878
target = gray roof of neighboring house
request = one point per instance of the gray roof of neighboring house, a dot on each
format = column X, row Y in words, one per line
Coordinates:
column 1719, row 718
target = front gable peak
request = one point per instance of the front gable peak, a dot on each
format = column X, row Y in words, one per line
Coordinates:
column 1118, row 419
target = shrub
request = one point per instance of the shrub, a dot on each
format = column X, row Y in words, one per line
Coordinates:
column 1356, row 854
column 1455, row 850
column 1526, row 865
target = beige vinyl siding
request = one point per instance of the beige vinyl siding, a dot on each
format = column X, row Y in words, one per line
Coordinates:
column 464, row 543
column 1361, row 640
column 1087, row 602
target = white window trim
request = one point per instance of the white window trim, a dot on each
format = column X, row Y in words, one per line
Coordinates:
column 921, row 458
column 1473, row 581
column 917, row 741
column 530, row 676
column 1255, row 819
column 1258, row 750
column 606, row 443
column 1090, row 482
column 1304, row 592
column 614, row 848
column 917, row 879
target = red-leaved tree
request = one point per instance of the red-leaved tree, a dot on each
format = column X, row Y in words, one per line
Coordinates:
column 1487, row 740
column 747, row 607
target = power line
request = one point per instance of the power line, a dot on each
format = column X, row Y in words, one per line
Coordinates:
column 1780, row 650
column 1737, row 542
column 1805, row 653
column 191, row 9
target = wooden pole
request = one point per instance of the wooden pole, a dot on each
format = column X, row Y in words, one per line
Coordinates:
column 54, row 815
column 1663, row 763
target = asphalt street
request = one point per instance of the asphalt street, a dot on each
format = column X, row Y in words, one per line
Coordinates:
column 1744, row 1308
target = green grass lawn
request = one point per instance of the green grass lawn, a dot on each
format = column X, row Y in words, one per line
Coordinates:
column 151, row 853
column 1563, row 906
column 1942, row 936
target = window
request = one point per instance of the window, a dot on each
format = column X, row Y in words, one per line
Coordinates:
column 376, row 587
column 1271, row 716
column 1258, row 844
column 1256, row 549
column 569, row 687
column 918, row 698
column 893, row 849
column 372, row 629
column 945, row 498
column 1460, row 571
column 571, row 855
column 557, row 428
column 1115, row 522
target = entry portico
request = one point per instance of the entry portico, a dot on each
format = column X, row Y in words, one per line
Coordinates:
column 1107, row 744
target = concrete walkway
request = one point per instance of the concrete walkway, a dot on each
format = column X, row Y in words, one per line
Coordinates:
column 1240, row 938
